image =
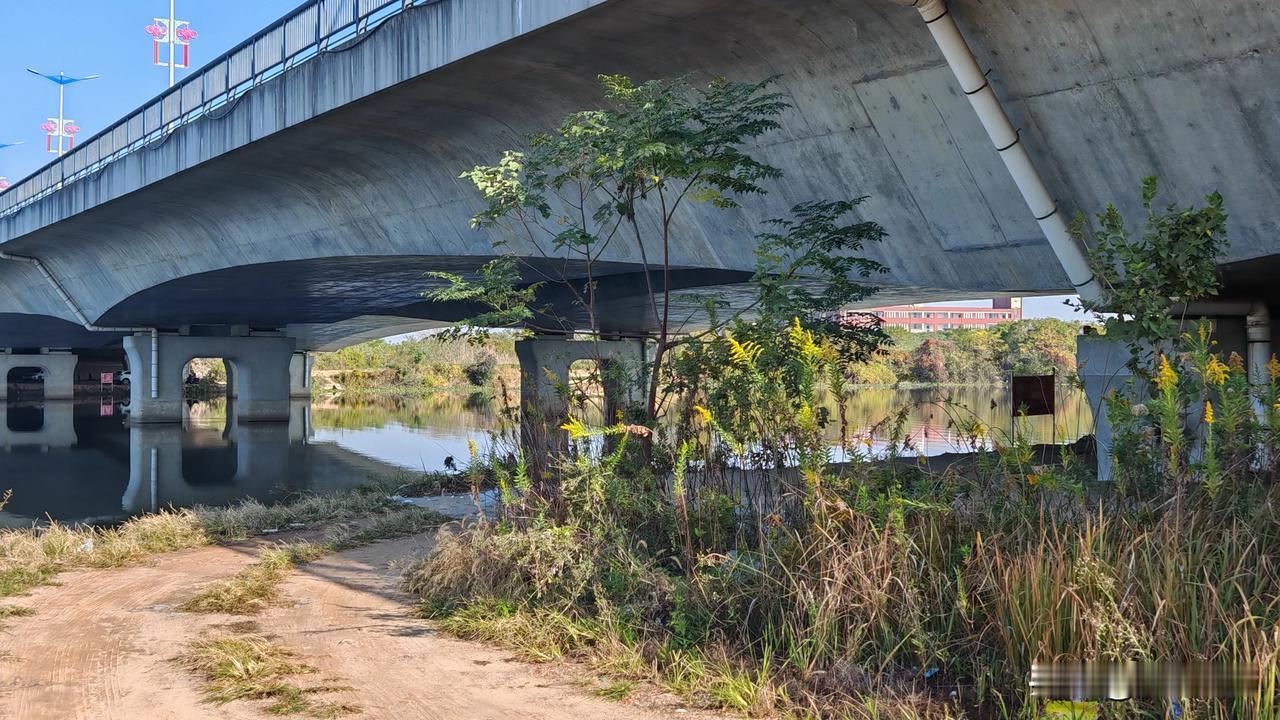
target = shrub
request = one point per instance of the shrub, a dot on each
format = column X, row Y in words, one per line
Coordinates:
column 482, row 371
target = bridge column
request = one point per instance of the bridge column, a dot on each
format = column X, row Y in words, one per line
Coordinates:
column 261, row 372
column 59, row 370
column 544, row 377
column 300, row 375
column 1103, row 367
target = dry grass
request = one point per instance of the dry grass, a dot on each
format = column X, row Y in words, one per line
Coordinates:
column 257, row 587
column 252, row 667
column 32, row 556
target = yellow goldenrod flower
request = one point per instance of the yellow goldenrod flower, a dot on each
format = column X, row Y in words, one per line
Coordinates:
column 743, row 353
column 1273, row 368
column 472, row 448
column 803, row 340
column 1166, row 378
column 1208, row 412
column 576, row 429
column 1215, row 373
column 1033, row 479
column 704, row 413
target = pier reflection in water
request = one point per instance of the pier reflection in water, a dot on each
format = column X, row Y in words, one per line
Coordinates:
column 81, row 462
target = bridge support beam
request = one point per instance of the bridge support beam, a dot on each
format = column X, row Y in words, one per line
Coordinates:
column 544, row 377
column 59, row 369
column 261, row 375
column 300, row 375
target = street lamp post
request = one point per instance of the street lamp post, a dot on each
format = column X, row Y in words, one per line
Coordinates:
column 4, row 181
column 175, row 34
column 60, row 127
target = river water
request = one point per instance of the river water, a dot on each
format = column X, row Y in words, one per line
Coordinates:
column 80, row 462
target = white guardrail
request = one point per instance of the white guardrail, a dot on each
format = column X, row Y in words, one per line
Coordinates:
column 298, row 37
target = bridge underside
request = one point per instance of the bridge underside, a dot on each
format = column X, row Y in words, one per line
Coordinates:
column 316, row 205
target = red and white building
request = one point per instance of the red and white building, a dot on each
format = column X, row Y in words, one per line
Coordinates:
column 932, row 318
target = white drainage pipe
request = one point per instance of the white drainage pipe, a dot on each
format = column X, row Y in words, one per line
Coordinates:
column 1008, row 143
column 84, row 321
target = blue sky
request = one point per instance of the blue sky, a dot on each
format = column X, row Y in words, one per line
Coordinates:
column 106, row 37
column 103, row 37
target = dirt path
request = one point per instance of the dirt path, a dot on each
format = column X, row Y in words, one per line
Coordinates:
column 102, row 646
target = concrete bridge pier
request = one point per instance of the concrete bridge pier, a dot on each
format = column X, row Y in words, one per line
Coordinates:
column 300, row 375
column 1103, row 368
column 58, row 368
column 261, row 374
column 544, row 380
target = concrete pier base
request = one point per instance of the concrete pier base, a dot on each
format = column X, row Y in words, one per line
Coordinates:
column 544, row 376
column 1102, row 367
column 59, row 369
column 261, row 375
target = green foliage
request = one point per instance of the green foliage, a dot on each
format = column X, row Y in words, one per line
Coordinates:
column 983, row 356
column 1174, row 259
column 622, row 175
column 816, row 245
column 482, row 371
column 499, row 290
column 433, row 363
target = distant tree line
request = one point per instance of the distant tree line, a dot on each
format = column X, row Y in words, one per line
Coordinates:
column 983, row 356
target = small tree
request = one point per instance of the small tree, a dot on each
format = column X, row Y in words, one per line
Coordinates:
column 1173, row 260
column 929, row 361
column 624, row 174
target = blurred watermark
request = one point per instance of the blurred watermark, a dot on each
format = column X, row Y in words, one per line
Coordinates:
column 1142, row 680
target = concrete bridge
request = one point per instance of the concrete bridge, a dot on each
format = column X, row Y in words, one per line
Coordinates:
column 290, row 196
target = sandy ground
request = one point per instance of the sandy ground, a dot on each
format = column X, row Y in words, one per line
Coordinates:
column 102, row 645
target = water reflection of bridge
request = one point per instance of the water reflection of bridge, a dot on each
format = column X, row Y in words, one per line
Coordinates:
column 80, row 462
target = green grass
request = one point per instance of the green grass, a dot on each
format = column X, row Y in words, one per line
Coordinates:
column 617, row 690
column 252, row 667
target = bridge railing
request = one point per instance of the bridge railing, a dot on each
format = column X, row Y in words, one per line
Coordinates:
column 304, row 34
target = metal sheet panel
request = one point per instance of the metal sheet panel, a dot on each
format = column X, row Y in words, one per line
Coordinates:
column 76, row 160
column 215, row 80
column 120, row 138
column 336, row 15
column 268, row 50
column 367, row 7
column 301, row 31
column 192, row 95
column 172, row 106
column 152, row 118
column 241, row 67
column 136, row 131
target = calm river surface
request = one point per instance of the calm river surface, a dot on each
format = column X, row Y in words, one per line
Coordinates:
column 81, row 461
